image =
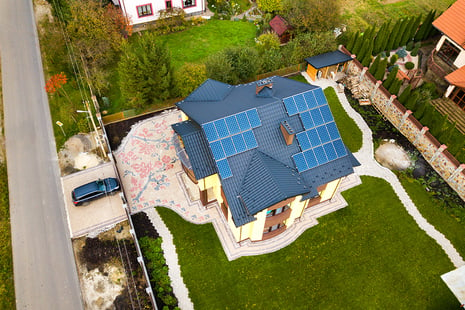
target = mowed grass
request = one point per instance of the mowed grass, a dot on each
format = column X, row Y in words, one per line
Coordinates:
column 197, row 43
column 369, row 255
column 364, row 13
column 436, row 213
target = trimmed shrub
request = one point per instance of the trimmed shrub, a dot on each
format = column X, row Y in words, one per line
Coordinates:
column 414, row 52
column 391, row 77
column 412, row 101
column 405, row 95
column 393, row 59
column 409, row 65
column 401, row 53
column 409, row 46
column 381, row 70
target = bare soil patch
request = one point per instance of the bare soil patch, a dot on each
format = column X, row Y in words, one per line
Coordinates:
column 109, row 274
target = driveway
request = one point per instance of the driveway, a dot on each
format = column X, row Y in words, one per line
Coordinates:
column 99, row 213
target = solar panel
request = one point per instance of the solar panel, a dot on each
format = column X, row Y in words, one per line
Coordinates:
column 320, row 96
column 221, row 128
column 332, row 130
column 340, row 148
column 310, row 99
column 307, row 121
column 330, row 152
column 300, row 162
column 313, row 137
column 253, row 118
column 210, row 132
column 243, row 121
column 303, row 140
column 323, row 134
column 224, row 169
column 233, row 126
column 326, row 113
column 228, row 146
column 250, row 140
column 217, row 150
column 311, row 159
column 239, row 143
column 291, row 108
column 320, row 155
column 300, row 102
column 316, row 116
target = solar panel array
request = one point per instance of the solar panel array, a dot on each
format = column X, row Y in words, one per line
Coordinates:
column 230, row 136
column 320, row 142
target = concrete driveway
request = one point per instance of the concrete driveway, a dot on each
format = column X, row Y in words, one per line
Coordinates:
column 99, row 213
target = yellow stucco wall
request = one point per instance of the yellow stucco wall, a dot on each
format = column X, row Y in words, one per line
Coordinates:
column 256, row 229
column 213, row 185
column 330, row 189
column 297, row 207
column 184, row 116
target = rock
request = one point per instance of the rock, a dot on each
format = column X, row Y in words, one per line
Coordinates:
column 420, row 168
column 392, row 156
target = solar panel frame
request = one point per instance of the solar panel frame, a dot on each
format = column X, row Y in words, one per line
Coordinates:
column 239, row 143
column 320, row 155
column 320, row 96
column 224, row 168
column 310, row 100
column 333, row 131
column 313, row 137
column 291, row 107
column 300, row 162
column 326, row 113
column 217, row 150
column 300, row 103
column 323, row 134
column 310, row 158
column 232, row 124
column 254, row 119
column 243, row 121
column 210, row 131
column 330, row 151
column 250, row 139
column 316, row 117
column 306, row 120
column 228, row 147
column 221, row 128
column 303, row 140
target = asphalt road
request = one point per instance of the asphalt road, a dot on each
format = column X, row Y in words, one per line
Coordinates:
column 44, row 268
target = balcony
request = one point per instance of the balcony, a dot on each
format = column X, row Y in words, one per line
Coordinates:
column 279, row 218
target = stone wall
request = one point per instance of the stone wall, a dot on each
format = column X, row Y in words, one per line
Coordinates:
column 435, row 153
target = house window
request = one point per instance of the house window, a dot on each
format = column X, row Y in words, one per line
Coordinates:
column 448, row 52
column 188, row 3
column 459, row 98
column 144, row 10
column 168, row 4
column 273, row 228
column 277, row 211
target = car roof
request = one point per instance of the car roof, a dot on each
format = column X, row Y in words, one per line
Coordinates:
column 86, row 188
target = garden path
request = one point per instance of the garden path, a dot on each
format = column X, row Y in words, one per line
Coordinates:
column 369, row 166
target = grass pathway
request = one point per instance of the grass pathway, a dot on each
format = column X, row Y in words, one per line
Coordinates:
column 371, row 168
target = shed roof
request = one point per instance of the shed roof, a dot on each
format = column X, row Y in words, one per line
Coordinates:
column 266, row 174
column 457, row 77
column 279, row 25
column 328, row 59
column 452, row 22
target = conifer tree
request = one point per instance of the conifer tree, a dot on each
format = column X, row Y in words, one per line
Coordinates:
column 438, row 123
column 381, row 70
column 374, row 65
column 385, row 38
column 393, row 36
column 400, row 33
column 391, row 77
column 367, row 57
column 430, row 31
column 405, row 95
column 412, row 101
column 351, row 42
column 395, row 87
column 447, row 133
column 424, row 29
column 377, row 47
column 357, row 45
column 419, row 109
column 406, row 34
column 427, row 117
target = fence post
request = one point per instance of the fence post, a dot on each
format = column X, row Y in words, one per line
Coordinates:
column 363, row 73
column 440, row 149
column 456, row 173
column 404, row 117
column 389, row 103
column 420, row 134
column 375, row 89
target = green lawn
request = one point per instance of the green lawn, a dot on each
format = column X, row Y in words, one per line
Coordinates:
column 369, row 255
column 197, row 43
column 364, row 13
column 436, row 213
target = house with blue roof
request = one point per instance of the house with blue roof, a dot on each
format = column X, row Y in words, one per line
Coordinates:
column 265, row 151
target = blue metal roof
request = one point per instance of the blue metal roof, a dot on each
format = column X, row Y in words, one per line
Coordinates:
column 265, row 175
column 328, row 59
column 197, row 149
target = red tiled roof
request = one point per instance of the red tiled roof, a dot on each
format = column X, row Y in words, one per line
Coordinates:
column 452, row 22
column 457, row 77
column 279, row 25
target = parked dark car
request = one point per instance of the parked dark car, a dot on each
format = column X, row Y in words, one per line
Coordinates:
column 93, row 190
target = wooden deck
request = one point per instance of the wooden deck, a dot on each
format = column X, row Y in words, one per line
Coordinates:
column 447, row 106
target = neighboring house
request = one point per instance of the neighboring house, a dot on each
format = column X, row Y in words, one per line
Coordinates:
column 144, row 11
column 265, row 151
column 327, row 65
column 451, row 49
column 281, row 27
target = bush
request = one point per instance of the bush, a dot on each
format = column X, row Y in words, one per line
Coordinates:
column 414, row 52
column 409, row 46
column 401, row 53
column 188, row 78
column 409, row 65
column 393, row 59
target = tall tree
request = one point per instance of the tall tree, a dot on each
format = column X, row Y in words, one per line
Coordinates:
column 378, row 46
column 367, row 57
column 270, row 5
column 351, row 42
column 374, row 65
column 425, row 27
column 381, row 70
column 405, row 94
column 390, row 45
column 188, row 78
column 412, row 101
column 312, row 15
column 145, row 71
column 395, row 87
column 400, row 33
column 391, row 77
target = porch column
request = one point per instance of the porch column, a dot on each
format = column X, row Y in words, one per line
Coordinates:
column 404, row 117
column 459, row 169
column 441, row 149
column 375, row 89
column 363, row 73
column 420, row 135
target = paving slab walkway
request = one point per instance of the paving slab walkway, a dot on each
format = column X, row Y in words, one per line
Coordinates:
column 369, row 166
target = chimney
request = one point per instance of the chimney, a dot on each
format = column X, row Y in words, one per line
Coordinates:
column 263, row 88
column 288, row 132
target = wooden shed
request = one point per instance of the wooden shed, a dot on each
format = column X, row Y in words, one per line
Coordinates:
column 321, row 66
column 282, row 28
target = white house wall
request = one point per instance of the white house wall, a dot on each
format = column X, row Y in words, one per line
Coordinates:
column 460, row 61
column 129, row 8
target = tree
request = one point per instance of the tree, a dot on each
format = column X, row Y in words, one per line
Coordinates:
column 427, row 118
column 267, row 41
column 367, row 58
column 425, row 27
column 447, row 132
column 270, row 5
column 400, row 33
column 307, row 45
column 390, row 45
column 391, row 77
column 145, row 71
column 95, row 39
column 220, row 68
column 351, row 41
column 271, row 60
column 439, row 122
column 381, row 70
column 419, row 109
column 412, row 101
column 405, row 95
column 379, row 39
column 374, row 65
column 358, row 45
column 395, row 87
column 312, row 15
column 188, row 78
